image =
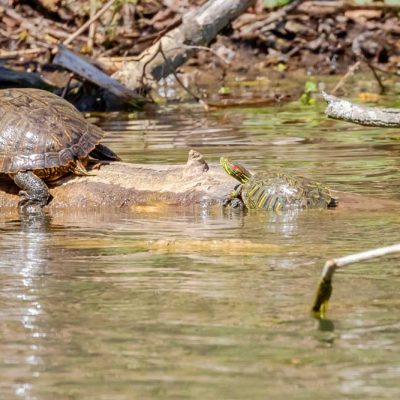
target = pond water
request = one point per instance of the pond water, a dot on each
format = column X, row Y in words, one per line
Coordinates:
column 89, row 309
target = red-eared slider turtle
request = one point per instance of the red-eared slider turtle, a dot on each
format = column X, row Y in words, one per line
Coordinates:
column 275, row 190
column 43, row 137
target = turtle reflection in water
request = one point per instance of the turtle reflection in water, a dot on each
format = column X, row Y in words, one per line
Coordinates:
column 275, row 190
column 42, row 138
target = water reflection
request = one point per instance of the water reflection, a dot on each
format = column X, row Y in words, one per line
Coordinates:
column 23, row 269
column 148, row 303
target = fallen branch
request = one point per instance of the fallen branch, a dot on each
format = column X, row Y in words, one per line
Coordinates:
column 11, row 78
column 84, row 69
column 325, row 286
column 368, row 116
column 197, row 29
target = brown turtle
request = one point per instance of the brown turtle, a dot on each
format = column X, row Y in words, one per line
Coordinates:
column 42, row 138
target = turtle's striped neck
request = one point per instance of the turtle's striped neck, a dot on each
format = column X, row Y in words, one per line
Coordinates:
column 235, row 170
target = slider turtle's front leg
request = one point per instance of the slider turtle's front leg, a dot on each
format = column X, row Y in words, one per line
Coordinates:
column 234, row 199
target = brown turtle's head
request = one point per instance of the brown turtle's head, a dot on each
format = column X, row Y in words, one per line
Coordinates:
column 235, row 170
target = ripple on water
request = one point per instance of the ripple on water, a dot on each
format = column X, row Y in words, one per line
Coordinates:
column 167, row 305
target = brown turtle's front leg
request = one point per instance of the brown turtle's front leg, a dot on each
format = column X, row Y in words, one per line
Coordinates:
column 34, row 194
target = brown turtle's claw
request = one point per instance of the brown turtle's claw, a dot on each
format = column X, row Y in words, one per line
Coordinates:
column 27, row 200
column 99, row 164
column 28, row 205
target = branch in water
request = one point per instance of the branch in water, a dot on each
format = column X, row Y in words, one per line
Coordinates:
column 325, row 286
column 368, row 116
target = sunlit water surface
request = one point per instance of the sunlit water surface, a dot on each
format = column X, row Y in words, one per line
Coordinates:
column 89, row 310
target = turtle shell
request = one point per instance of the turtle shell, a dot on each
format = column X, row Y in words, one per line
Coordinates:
column 277, row 190
column 40, row 130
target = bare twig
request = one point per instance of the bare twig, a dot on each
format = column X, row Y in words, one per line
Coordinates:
column 103, row 56
column 89, row 22
column 146, row 63
column 353, row 68
column 4, row 54
column 200, row 101
column 66, row 87
column 92, row 27
column 358, row 52
column 223, row 59
column 325, row 286
column 376, row 76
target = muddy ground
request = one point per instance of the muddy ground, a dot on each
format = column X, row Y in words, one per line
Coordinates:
column 304, row 37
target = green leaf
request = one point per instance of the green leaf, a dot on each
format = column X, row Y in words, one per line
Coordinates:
column 224, row 90
column 310, row 87
column 276, row 3
column 281, row 67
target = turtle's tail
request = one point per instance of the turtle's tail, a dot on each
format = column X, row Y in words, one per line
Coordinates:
column 235, row 170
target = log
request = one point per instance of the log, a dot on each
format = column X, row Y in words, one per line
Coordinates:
column 368, row 116
column 125, row 186
column 11, row 78
column 77, row 64
column 174, row 48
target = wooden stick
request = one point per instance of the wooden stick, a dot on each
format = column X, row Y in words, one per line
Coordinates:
column 331, row 265
column 20, row 53
column 88, row 22
column 349, row 73
column 325, row 286
column 92, row 27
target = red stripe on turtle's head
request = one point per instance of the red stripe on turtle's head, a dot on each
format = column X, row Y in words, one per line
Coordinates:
column 235, row 170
